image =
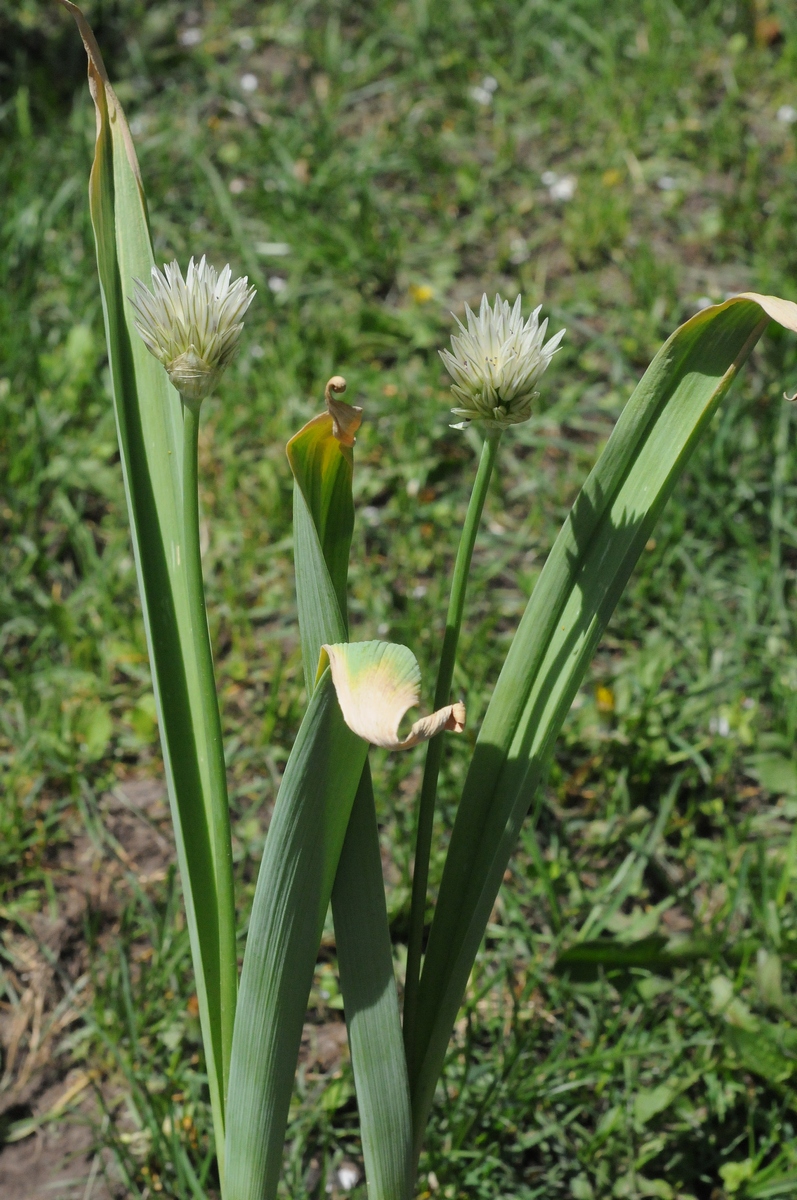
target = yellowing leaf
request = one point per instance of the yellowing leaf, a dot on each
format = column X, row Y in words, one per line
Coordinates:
column 376, row 683
column 323, row 516
column 782, row 311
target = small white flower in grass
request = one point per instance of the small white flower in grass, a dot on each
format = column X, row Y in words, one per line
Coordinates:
column 190, row 37
column 497, row 362
column 482, row 93
column 563, row 189
column 560, row 187
column 192, row 325
column 348, row 1176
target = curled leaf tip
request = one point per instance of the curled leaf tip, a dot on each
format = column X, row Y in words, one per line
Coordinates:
column 336, row 384
column 89, row 40
column 376, row 684
column 346, row 418
column 776, row 308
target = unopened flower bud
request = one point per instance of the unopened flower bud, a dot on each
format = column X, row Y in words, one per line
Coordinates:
column 497, row 362
column 192, row 325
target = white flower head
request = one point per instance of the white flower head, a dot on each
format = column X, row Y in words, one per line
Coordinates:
column 497, row 362
column 192, row 325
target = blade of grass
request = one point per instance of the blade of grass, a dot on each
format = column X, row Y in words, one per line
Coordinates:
column 576, row 594
column 149, row 423
column 629, row 876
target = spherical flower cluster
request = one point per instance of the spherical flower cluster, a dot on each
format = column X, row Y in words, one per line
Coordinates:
column 496, row 364
column 192, row 325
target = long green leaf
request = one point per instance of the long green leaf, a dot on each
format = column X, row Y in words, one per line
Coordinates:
column 149, row 424
column 293, row 891
column 323, row 522
column 574, row 598
column 371, row 1004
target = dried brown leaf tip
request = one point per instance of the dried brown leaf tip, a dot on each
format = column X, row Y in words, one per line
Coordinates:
column 346, row 418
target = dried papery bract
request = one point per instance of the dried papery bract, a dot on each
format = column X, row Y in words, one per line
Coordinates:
column 497, row 362
column 346, row 418
column 192, row 325
column 377, row 683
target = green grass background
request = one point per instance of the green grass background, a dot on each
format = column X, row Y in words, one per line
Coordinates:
column 373, row 166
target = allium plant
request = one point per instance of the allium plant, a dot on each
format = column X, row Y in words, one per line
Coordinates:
column 323, row 842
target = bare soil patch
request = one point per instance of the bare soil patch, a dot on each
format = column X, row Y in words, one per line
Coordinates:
column 47, row 1112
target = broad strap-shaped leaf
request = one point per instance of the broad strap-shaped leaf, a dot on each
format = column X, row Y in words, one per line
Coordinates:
column 323, row 522
column 371, row 1004
column 149, row 424
column 575, row 596
column 294, row 886
column 377, row 683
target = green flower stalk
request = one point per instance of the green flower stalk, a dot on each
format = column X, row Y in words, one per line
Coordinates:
column 496, row 363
